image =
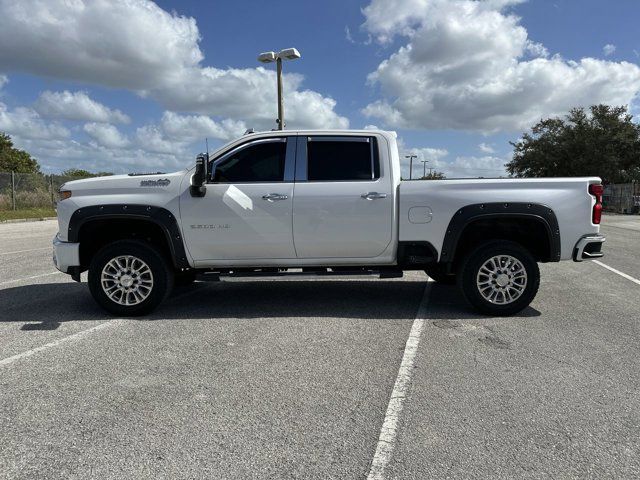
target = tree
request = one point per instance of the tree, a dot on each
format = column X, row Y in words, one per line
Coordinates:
column 434, row 175
column 604, row 142
column 14, row 159
column 81, row 173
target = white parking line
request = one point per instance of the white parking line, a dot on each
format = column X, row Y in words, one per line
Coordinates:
column 55, row 343
column 622, row 274
column 389, row 430
column 28, row 278
column 25, row 251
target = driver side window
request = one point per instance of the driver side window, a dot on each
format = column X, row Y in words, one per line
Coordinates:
column 261, row 162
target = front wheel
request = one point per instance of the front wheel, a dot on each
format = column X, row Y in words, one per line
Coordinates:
column 129, row 278
column 499, row 278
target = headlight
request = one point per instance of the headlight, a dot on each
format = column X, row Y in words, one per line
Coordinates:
column 64, row 194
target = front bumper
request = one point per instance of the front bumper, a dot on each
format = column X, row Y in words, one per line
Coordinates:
column 65, row 255
column 588, row 247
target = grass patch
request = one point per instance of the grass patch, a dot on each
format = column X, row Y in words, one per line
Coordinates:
column 27, row 213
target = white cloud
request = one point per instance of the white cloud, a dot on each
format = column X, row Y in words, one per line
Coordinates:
column 487, row 166
column 608, row 49
column 433, row 156
column 175, row 132
column 459, row 167
column 58, row 155
column 129, row 44
column 486, row 148
column 465, row 66
column 166, row 145
column 347, row 34
column 536, row 49
column 26, row 123
column 386, row 19
column 3, row 80
column 169, row 144
column 199, row 127
column 136, row 45
column 152, row 139
column 106, row 135
column 76, row 106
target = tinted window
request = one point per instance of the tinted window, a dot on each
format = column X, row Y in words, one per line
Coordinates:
column 262, row 162
column 342, row 159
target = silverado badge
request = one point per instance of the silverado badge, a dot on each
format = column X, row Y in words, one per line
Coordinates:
column 162, row 182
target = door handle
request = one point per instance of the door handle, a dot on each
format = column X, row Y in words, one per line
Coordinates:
column 272, row 197
column 373, row 195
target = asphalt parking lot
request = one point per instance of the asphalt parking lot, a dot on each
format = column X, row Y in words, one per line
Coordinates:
column 294, row 379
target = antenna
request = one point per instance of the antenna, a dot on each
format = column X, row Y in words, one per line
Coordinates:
column 206, row 142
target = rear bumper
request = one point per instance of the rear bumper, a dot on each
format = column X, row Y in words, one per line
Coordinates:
column 65, row 255
column 588, row 247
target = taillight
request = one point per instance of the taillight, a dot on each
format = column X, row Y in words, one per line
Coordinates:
column 597, row 190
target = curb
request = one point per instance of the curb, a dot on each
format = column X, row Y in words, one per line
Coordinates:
column 23, row 220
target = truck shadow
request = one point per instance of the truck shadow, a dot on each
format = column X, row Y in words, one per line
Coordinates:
column 47, row 306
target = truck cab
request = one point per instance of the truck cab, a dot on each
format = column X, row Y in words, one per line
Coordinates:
column 301, row 198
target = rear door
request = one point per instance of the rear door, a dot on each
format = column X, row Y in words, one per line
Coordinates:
column 343, row 198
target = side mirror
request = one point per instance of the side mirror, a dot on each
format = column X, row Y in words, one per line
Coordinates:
column 198, row 186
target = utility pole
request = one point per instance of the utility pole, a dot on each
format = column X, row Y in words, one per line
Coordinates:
column 410, row 157
column 269, row 57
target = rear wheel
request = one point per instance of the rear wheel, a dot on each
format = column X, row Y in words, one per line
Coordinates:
column 129, row 278
column 439, row 274
column 499, row 278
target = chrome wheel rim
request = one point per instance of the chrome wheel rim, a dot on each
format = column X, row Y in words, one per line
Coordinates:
column 126, row 280
column 502, row 279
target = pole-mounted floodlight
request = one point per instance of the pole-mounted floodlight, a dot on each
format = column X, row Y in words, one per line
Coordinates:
column 289, row 54
column 424, row 168
column 269, row 57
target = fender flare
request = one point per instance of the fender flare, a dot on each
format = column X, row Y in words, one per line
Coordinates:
column 157, row 215
column 465, row 215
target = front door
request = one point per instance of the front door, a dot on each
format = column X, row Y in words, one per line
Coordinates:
column 247, row 209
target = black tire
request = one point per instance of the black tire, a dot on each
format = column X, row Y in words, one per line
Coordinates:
column 184, row 279
column 470, row 268
column 162, row 277
column 438, row 274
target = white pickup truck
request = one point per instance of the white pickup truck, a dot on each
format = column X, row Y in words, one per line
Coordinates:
column 319, row 203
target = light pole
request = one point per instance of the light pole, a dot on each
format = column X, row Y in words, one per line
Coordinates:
column 269, row 57
column 424, row 168
column 410, row 157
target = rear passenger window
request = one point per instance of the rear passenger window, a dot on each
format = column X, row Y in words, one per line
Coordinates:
column 342, row 159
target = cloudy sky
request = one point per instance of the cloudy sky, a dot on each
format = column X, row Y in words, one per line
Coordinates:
column 133, row 85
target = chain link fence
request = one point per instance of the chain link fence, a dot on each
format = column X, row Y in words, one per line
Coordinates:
column 20, row 191
column 622, row 198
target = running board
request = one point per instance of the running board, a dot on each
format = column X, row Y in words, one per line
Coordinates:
column 305, row 275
